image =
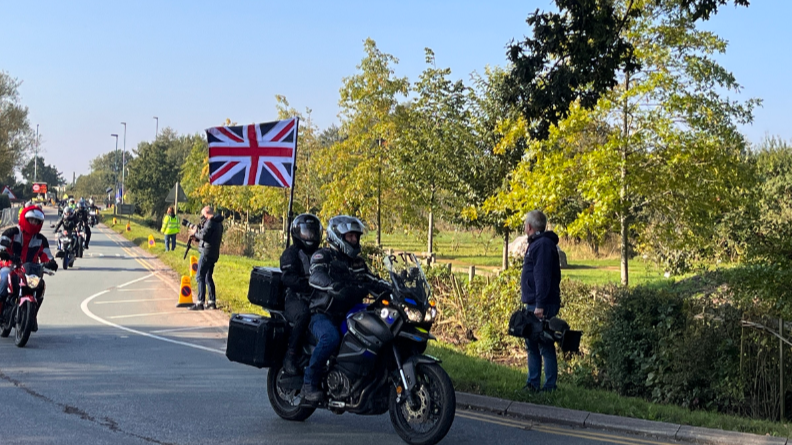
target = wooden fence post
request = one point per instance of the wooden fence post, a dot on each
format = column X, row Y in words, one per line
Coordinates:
column 472, row 273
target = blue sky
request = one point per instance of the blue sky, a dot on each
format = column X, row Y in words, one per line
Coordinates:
column 87, row 66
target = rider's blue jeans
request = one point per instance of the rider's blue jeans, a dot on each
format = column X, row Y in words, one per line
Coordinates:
column 327, row 339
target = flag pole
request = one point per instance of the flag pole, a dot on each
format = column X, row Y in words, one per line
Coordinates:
column 290, row 216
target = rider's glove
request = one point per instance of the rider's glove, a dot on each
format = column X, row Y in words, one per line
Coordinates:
column 52, row 265
column 4, row 255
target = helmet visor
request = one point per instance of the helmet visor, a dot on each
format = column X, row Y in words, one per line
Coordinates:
column 309, row 232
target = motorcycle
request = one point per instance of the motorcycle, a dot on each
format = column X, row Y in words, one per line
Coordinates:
column 92, row 219
column 20, row 310
column 380, row 366
column 69, row 248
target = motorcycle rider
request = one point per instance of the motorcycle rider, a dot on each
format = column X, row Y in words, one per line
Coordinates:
column 295, row 263
column 24, row 243
column 82, row 218
column 68, row 221
column 340, row 279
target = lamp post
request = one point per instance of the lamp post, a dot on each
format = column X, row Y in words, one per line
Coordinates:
column 115, row 164
column 156, row 132
column 35, row 158
column 123, row 166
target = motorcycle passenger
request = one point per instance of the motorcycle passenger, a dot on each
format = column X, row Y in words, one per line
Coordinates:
column 295, row 263
column 25, row 244
column 337, row 277
column 82, row 218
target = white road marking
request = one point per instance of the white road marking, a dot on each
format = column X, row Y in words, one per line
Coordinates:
column 86, row 311
column 144, row 289
column 142, row 315
column 135, row 281
column 132, row 301
column 194, row 328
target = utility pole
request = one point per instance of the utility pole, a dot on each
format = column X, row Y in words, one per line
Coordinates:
column 156, row 132
column 35, row 158
column 123, row 166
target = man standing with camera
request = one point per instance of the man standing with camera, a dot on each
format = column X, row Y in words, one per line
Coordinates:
column 209, row 233
column 541, row 293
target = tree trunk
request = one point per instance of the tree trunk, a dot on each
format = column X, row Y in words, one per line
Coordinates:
column 430, row 241
column 625, row 244
column 379, row 200
column 505, row 262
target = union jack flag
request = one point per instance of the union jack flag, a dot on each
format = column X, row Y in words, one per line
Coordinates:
column 259, row 154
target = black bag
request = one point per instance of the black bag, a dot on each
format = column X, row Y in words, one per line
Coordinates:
column 256, row 340
column 265, row 288
column 524, row 324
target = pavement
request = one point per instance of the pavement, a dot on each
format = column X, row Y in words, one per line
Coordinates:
column 115, row 362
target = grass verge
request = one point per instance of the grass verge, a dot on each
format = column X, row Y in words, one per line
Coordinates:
column 469, row 374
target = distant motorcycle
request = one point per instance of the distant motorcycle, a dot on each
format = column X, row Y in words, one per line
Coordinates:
column 92, row 218
column 20, row 311
column 69, row 247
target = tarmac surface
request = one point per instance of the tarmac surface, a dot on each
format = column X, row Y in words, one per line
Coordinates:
column 115, row 362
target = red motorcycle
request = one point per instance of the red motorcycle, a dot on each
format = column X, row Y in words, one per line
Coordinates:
column 20, row 310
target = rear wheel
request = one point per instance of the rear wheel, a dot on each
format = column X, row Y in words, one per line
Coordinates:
column 285, row 402
column 427, row 420
column 24, row 323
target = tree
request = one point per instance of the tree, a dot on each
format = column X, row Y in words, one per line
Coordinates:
column 433, row 131
column 576, row 55
column 658, row 159
column 42, row 172
column 15, row 134
column 361, row 166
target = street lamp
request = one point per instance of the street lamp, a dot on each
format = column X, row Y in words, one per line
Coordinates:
column 35, row 158
column 123, row 164
column 115, row 164
column 156, row 132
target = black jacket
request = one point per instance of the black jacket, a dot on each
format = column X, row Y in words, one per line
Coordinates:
column 68, row 224
column 541, row 273
column 337, row 282
column 296, row 267
column 210, row 235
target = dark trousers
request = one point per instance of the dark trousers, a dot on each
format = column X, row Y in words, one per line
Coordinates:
column 327, row 339
column 204, row 279
column 539, row 352
column 87, row 233
column 170, row 242
column 296, row 311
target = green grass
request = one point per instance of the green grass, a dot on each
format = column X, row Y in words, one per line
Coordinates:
column 472, row 374
column 479, row 376
column 607, row 271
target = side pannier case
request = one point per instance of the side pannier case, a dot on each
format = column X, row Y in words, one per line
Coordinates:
column 256, row 340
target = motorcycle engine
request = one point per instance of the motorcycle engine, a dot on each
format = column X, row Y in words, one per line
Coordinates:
column 338, row 385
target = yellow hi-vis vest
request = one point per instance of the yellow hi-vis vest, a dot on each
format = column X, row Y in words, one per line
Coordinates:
column 170, row 225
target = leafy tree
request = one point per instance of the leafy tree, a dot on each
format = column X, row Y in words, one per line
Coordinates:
column 43, row 172
column 577, row 53
column 15, row 134
column 361, row 166
column 434, row 130
column 657, row 160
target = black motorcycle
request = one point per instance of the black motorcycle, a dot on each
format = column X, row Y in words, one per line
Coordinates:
column 69, row 247
column 380, row 366
column 20, row 311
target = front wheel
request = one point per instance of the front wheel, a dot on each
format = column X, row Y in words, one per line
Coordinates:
column 428, row 418
column 24, row 323
column 285, row 401
column 65, row 260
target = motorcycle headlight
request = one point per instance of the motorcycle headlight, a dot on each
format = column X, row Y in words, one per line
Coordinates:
column 388, row 315
column 413, row 314
column 33, row 280
column 431, row 314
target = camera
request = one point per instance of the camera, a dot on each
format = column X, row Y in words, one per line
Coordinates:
column 188, row 224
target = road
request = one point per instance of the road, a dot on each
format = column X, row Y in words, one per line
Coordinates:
column 115, row 362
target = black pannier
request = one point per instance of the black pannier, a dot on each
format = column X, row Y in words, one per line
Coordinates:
column 265, row 288
column 256, row 340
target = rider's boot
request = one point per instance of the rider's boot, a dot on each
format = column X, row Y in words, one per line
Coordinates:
column 290, row 362
column 311, row 394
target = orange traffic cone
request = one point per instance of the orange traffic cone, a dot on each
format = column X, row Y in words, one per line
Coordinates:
column 185, row 293
column 128, row 228
column 151, row 242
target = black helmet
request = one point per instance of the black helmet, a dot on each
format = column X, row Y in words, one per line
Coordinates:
column 339, row 226
column 306, row 232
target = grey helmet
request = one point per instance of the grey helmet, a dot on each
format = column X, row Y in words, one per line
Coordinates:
column 339, row 226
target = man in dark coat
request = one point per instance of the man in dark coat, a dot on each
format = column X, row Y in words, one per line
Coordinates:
column 541, row 293
column 210, row 234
